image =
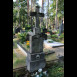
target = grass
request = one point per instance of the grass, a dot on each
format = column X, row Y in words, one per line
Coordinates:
column 25, row 46
column 50, row 57
column 18, row 61
column 15, row 42
column 62, row 41
column 57, row 70
column 14, row 55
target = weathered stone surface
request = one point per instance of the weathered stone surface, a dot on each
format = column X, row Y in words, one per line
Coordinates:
column 36, row 44
column 61, row 28
column 36, row 30
column 35, row 65
column 36, row 56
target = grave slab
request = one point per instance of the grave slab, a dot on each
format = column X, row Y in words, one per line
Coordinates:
column 52, row 43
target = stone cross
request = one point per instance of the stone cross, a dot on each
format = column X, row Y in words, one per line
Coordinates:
column 37, row 29
column 36, row 58
column 37, row 15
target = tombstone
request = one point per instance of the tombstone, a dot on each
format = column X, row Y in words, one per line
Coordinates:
column 36, row 58
column 61, row 28
column 18, row 29
column 22, row 31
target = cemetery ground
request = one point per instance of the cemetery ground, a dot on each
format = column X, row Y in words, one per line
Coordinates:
column 57, row 70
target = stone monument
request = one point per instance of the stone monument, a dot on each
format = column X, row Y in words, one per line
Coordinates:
column 36, row 58
column 61, row 27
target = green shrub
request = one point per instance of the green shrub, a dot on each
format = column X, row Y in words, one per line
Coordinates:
column 56, row 71
column 54, row 36
column 14, row 55
column 57, row 40
column 27, row 27
column 22, row 37
column 57, row 32
column 61, row 36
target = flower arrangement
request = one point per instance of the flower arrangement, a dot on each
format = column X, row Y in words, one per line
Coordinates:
column 27, row 44
column 48, row 33
column 40, row 73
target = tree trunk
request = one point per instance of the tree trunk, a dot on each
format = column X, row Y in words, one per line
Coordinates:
column 42, row 10
column 31, row 16
column 17, row 1
column 56, row 25
column 23, row 21
column 28, row 11
column 58, row 22
column 48, row 14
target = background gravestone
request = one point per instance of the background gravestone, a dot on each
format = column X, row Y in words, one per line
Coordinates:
column 61, row 28
column 18, row 29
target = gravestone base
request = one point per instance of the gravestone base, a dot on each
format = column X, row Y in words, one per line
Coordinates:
column 35, row 64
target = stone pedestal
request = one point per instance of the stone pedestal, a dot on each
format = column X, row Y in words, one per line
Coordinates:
column 35, row 61
column 35, row 58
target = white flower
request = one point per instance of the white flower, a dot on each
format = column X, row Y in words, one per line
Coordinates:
column 45, row 72
column 40, row 70
column 37, row 75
